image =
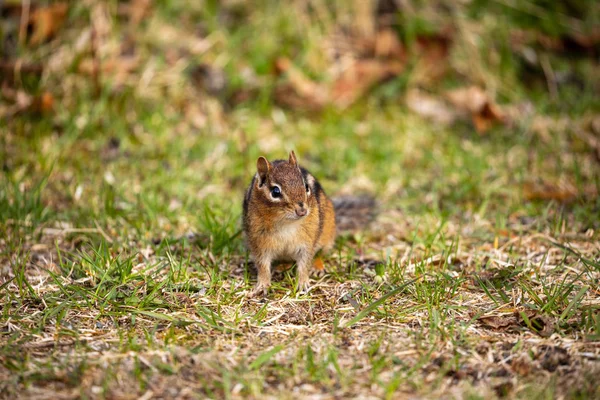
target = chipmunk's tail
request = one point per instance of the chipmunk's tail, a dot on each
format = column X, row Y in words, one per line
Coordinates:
column 354, row 212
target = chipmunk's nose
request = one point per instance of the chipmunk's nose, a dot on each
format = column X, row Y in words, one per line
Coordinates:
column 300, row 210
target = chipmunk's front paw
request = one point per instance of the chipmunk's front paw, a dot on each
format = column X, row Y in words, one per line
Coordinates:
column 259, row 290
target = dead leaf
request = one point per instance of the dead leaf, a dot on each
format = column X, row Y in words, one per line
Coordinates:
column 46, row 21
column 485, row 119
column 387, row 45
column 178, row 298
column 355, row 81
column 195, row 115
column 499, row 322
column 471, row 99
column 539, row 323
column 476, row 102
column 286, row 96
column 119, row 68
column 44, row 103
column 469, row 102
column 135, row 10
column 429, row 106
column 360, row 61
column 299, row 91
column 563, row 193
column 360, row 77
column 21, row 102
column 432, row 54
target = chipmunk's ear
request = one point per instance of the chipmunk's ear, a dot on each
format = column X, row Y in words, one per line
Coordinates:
column 263, row 167
column 293, row 160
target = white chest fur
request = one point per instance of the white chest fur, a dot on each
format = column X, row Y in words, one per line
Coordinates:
column 285, row 243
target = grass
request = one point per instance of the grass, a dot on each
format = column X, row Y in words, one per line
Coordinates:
column 122, row 266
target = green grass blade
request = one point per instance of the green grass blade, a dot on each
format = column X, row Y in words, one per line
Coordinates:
column 584, row 260
column 371, row 307
column 574, row 303
column 265, row 357
column 5, row 284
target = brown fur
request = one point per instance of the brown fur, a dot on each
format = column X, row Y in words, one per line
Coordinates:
column 275, row 229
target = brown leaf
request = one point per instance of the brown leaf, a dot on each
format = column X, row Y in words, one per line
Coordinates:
column 470, row 99
column 539, row 323
column 46, row 21
column 20, row 102
column 135, row 10
column 360, row 77
column 487, row 116
column 387, row 45
column 432, row 55
column 299, row 91
column 371, row 60
column 546, row 191
column 429, row 106
column 474, row 101
column 118, row 68
column 195, row 115
column 179, row 298
column 44, row 103
column 499, row 322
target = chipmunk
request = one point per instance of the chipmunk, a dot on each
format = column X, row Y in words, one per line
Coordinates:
column 287, row 217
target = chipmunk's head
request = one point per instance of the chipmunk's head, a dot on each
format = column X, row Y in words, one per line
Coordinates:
column 283, row 185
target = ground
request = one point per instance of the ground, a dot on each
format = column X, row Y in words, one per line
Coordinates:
column 132, row 130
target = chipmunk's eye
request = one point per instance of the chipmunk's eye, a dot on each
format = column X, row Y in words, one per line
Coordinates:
column 275, row 192
column 307, row 188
